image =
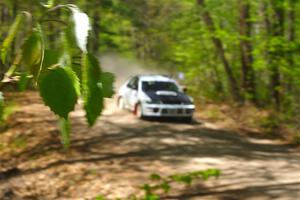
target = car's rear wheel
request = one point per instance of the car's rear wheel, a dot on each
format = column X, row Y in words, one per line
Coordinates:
column 139, row 111
column 121, row 104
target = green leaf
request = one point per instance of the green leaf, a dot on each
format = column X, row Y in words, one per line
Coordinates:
column 100, row 198
column 51, row 57
column 70, row 43
column 66, row 58
column 151, row 197
column 107, row 81
column 210, row 173
column 147, row 188
column 91, row 90
column 10, row 37
column 22, row 84
column 187, row 179
column 155, row 177
column 64, row 127
column 49, row 4
column 206, row 174
column 165, row 186
column 33, row 53
column 81, row 28
column 59, row 89
column 77, row 69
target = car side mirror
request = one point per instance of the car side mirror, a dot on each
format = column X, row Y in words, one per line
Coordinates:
column 184, row 89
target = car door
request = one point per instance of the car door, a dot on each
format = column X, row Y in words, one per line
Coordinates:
column 133, row 93
column 128, row 92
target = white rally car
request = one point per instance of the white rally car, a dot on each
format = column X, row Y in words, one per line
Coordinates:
column 155, row 96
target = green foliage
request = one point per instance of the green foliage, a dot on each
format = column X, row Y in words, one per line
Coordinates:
column 186, row 178
column 206, row 174
column 6, row 110
column 155, row 177
column 65, row 131
column 53, row 70
column 51, row 58
column 9, row 39
column 18, row 143
column 164, row 184
column 100, row 198
column 49, row 4
column 270, row 124
column 151, row 197
column 107, row 79
column 24, row 79
column 175, row 36
column 296, row 137
column 33, row 53
column 59, row 89
column 91, row 90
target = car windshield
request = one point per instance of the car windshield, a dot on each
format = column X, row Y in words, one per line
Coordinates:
column 159, row 85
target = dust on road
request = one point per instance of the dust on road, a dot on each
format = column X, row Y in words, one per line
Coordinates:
column 120, row 151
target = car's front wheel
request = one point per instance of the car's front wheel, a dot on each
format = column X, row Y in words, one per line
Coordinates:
column 139, row 111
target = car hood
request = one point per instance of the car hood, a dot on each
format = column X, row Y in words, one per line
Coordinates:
column 169, row 97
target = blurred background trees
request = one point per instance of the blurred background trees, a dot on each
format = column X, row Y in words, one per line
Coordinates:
column 242, row 51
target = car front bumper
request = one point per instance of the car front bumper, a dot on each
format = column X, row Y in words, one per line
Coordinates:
column 168, row 110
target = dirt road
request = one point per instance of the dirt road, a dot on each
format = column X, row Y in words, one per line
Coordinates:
column 120, row 151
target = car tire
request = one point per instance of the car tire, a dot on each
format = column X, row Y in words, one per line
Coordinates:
column 139, row 111
column 120, row 103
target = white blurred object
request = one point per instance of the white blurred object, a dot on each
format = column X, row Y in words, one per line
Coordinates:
column 82, row 26
column 180, row 75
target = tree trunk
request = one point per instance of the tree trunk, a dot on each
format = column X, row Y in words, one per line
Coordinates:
column 248, row 79
column 291, row 21
column 291, row 39
column 276, row 30
column 96, row 29
column 15, row 8
column 233, row 85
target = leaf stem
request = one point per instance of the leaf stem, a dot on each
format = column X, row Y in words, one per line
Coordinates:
column 52, row 10
column 54, row 20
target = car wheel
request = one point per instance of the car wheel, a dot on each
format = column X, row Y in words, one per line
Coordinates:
column 139, row 111
column 121, row 104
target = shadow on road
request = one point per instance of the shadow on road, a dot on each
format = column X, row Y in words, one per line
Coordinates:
column 173, row 120
column 120, row 143
column 151, row 142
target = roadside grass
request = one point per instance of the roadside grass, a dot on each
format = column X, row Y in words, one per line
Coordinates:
column 7, row 110
column 19, row 143
column 296, row 138
column 159, row 186
column 252, row 121
column 2, row 146
column 14, row 144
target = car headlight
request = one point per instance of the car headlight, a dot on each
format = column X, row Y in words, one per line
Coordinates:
column 191, row 99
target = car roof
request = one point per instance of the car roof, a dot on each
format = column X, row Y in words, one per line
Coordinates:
column 155, row 78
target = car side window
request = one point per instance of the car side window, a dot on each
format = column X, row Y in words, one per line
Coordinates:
column 133, row 84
